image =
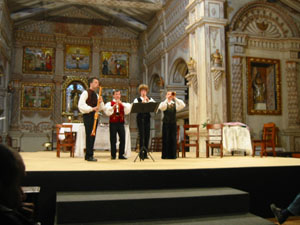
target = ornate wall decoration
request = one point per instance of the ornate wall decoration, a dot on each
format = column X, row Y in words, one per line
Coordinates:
column 38, row 60
column 264, row 86
column 78, row 58
column 156, row 83
column 114, row 64
column 236, row 90
column 41, row 127
column 264, row 20
column 192, row 75
column 217, row 69
column 293, row 105
column 37, row 96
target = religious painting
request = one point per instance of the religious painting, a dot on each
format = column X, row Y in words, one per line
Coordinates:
column 114, row 64
column 78, row 58
column 107, row 93
column 264, row 86
column 38, row 60
column 37, row 96
column 72, row 89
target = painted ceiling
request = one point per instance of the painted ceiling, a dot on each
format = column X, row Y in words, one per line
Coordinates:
column 134, row 15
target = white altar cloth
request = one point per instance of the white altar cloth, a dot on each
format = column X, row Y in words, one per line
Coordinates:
column 102, row 140
column 236, row 138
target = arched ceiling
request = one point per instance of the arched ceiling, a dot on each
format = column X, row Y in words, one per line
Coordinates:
column 292, row 4
column 135, row 15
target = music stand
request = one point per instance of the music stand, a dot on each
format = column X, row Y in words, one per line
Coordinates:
column 144, row 108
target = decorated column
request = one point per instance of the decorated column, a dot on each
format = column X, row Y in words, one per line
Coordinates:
column 57, row 110
column 206, row 31
column 293, row 105
column 236, row 89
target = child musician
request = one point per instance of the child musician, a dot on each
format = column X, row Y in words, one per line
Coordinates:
column 116, row 110
column 169, row 107
column 143, row 119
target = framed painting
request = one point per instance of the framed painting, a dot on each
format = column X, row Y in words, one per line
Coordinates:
column 107, row 93
column 114, row 64
column 37, row 96
column 38, row 60
column 78, row 58
column 264, row 86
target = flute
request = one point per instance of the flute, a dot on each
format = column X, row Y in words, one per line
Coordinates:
column 96, row 113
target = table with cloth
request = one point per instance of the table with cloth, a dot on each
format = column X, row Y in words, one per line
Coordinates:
column 102, row 141
column 236, row 137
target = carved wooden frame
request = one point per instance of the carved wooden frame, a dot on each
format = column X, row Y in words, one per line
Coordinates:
column 31, row 91
column 266, row 72
column 68, row 81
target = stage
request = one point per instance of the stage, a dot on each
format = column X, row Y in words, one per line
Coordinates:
column 268, row 179
column 47, row 161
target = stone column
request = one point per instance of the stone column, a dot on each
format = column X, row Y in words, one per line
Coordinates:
column 96, row 57
column 207, row 37
column 57, row 107
column 237, row 90
column 293, row 106
column 16, row 105
column 59, row 56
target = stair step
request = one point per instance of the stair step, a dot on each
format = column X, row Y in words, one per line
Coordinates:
column 84, row 207
column 233, row 219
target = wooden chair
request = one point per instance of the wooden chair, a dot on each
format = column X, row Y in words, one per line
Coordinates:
column 69, row 139
column 156, row 144
column 268, row 140
column 188, row 138
column 214, row 138
column 152, row 145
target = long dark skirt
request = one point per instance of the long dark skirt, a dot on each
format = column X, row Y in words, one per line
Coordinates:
column 169, row 141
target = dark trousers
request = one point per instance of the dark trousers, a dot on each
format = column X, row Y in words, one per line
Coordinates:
column 88, row 120
column 169, row 137
column 144, row 131
column 114, row 129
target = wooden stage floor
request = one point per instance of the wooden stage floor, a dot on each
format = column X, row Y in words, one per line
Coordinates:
column 47, row 161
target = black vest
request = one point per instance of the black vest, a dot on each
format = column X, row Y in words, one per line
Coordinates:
column 170, row 114
column 92, row 99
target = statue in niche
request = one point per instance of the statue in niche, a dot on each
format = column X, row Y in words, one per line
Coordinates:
column 216, row 59
column 75, row 94
column 259, row 89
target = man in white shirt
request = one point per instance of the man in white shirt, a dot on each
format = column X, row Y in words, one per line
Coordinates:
column 116, row 110
column 169, row 107
column 88, row 107
column 143, row 120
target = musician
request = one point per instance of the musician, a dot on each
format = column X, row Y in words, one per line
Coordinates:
column 88, row 107
column 169, row 107
column 143, row 119
column 116, row 110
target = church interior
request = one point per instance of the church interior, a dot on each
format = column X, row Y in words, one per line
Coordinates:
column 233, row 62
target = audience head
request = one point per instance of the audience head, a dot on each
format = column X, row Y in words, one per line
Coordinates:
column 12, row 172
